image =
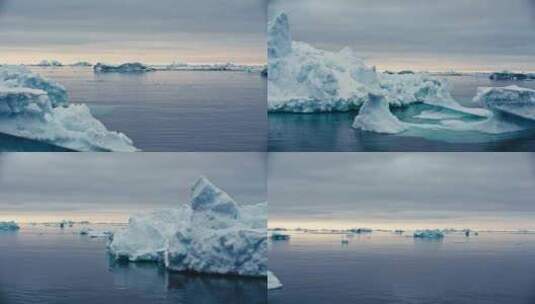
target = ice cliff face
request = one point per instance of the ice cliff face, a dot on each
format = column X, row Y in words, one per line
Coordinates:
column 36, row 108
column 211, row 234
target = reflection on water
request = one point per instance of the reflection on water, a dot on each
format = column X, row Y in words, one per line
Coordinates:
column 52, row 265
column 333, row 131
column 385, row 267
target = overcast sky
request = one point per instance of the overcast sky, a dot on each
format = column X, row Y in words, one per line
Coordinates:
column 420, row 34
column 108, row 187
column 157, row 31
column 402, row 190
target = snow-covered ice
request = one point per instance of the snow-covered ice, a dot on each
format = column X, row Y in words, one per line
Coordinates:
column 512, row 100
column 37, row 108
column 133, row 67
column 428, row 234
column 273, row 281
column 211, row 234
column 9, row 226
column 229, row 66
column 303, row 79
column 375, row 116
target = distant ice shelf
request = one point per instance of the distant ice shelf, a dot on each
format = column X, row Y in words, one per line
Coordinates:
column 37, row 108
column 133, row 67
column 210, row 234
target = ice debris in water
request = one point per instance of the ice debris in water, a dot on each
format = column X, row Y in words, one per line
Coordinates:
column 134, row 67
column 273, row 281
column 9, row 226
column 428, row 234
column 36, row 108
column 304, row 79
column 211, row 234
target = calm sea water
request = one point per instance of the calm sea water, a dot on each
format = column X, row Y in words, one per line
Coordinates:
column 49, row 265
column 333, row 131
column 174, row 110
column 383, row 268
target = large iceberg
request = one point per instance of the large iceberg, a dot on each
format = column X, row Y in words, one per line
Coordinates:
column 9, row 226
column 134, row 67
column 303, row 79
column 211, row 234
column 273, row 281
column 36, row 108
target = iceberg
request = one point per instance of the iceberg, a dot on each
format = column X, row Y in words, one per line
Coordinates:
column 49, row 63
column 9, row 226
column 82, row 64
column 303, row 79
column 210, row 234
column 273, row 281
column 512, row 100
column 36, row 108
column 428, row 234
column 134, row 67
column 278, row 236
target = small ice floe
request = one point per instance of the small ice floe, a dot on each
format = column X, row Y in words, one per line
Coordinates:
column 279, row 236
column 9, row 226
column 273, row 281
column 428, row 234
column 344, row 241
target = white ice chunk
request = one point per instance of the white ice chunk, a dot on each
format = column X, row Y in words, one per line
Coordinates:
column 304, row 79
column 9, row 226
column 212, row 234
column 512, row 100
column 375, row 116
column 273, row 281
column 35, row 108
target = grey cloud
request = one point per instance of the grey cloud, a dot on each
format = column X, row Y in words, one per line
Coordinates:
column 400, row 185
column 51, row 182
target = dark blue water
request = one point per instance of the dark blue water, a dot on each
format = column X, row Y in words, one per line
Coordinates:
column 382, row 268
column 50, row 265
column 333, row 131
column 174, row 110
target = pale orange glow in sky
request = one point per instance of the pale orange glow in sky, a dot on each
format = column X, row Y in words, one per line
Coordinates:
column 52, row 217
column 478, row 224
